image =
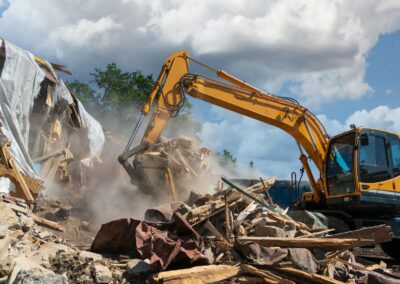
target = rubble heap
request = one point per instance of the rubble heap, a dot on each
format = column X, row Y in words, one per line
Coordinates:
column 233, row 235
column 236, row 236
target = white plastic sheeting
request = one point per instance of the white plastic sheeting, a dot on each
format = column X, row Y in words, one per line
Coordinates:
column 19, row 86
column 95, row 132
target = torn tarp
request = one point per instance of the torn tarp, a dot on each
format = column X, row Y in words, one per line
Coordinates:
column 19, row 86
column 164, row 244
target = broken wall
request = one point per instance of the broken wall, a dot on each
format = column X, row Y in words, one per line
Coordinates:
column 32, row 92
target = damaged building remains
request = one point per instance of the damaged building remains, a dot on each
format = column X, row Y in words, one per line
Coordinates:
column 197, row 227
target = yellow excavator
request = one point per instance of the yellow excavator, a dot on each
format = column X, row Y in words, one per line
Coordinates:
column 359, row 170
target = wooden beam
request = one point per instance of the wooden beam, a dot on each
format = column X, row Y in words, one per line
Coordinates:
column 304, row 242
column 171, row 184
column 301, row 276
column 210, row 227
column 198, row 274
column 377, row 234
column 268, row 276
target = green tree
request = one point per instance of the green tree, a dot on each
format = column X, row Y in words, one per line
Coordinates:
column 122, row 89
column 117, row 97
column 227, row 161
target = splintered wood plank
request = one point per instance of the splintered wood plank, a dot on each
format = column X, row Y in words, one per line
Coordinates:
column 267, row 276
column 304, row 242
column 198, row 274
column 302, row 276
column 377, row 234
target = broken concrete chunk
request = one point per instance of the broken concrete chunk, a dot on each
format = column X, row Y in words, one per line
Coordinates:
column 25, row 270
column 44, row 234
column 3, row 231
column 314, row 220
column 102, row 273
column 47, row 251
column 5, row 257
column 269, row 231
column 26, row 223
column 28, row 277
column 8, row 217
column 90, row 255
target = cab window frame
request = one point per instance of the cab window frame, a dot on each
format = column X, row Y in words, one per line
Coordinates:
column 387, row 171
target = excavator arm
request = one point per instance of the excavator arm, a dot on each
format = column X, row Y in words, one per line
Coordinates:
column 175, row 80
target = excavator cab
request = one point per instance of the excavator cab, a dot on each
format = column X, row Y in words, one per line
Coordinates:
column 363, row 166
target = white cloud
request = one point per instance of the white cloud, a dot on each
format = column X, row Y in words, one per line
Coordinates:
column 316, row 47
column 4, row 4
column 274, row 151
column 87, row 33
column 382, row 117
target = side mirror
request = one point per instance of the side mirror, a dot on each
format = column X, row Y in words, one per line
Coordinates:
column 364, row 139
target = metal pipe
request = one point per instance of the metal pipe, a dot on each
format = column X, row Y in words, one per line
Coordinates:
column 234, row 186
column 134, row 133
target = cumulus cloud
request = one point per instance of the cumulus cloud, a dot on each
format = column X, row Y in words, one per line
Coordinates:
column 273, row 151
column 382, row 117
column 316, row 47
column 87, row 33
column 314, row 50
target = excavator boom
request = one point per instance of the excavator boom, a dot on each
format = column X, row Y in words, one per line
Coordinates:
column 175, row 81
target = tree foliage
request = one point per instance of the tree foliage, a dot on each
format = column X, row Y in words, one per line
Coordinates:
column 122, row 89
column 115, row 96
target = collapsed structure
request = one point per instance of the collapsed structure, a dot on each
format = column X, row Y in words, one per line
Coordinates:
column 46, row 133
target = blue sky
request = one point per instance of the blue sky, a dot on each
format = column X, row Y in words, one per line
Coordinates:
column 338, row 58
column 382, row 74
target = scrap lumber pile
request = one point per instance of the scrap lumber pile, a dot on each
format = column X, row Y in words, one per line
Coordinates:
column 172, row 166
column 237, row 236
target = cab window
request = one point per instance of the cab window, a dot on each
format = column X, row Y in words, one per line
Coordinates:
column 394, row 143
column 374, row 162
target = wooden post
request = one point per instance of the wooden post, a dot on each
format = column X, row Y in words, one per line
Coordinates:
column 171, row 184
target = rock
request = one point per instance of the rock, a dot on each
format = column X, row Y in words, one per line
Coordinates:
column 25, row 269
column 314, row 220
column 269, row 231
column 28, row 277
column 136, row 266
column 47, row 251
column 90, row 255
column 288, row 228
column 3, row 231
column 26, row 223
column 5, row 257
column 102, row 273
column 8, row 217
column 44, row 234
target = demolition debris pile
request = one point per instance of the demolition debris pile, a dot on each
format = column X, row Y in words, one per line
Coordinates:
column 232, row 236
